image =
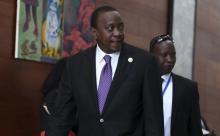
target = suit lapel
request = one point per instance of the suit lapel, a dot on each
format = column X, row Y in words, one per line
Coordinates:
column 92, row 76
column 176, row 96
column 121, row 71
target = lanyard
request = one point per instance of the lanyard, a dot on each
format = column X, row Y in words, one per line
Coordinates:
column 167, row 84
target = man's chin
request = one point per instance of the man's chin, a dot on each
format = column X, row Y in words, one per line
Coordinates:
column 116, row 47
column 166, row 71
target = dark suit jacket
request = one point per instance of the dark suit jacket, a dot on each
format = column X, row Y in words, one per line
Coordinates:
column 49, row 91
column 133, row 106
column 185, row 120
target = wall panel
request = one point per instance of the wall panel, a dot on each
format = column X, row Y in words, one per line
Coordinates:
column 207, row 60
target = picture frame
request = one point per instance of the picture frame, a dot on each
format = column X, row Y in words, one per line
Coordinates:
column 48, row 30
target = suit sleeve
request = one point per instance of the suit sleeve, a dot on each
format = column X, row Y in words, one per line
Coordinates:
column 54, row 77
column 64, row 115
column 49, row 91
column 195, row 117
column 152, row 100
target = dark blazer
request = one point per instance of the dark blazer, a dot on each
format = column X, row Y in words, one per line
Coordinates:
column 185, row 120
column 49, row 91
column 133, row 106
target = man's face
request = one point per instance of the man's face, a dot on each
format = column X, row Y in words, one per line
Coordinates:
column 110, row 31
column 166, row 56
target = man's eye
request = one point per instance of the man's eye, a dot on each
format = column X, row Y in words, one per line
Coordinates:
column 163, row 55
column 109, row 28
column 172, row 55
column 121, row 28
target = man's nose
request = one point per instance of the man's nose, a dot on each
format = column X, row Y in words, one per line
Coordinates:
column 116, row 32
column 169, row 58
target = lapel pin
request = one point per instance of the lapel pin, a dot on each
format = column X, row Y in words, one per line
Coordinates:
column 130, row 59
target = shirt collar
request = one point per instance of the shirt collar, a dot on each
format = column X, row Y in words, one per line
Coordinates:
column 166, row 76
column 101, row 54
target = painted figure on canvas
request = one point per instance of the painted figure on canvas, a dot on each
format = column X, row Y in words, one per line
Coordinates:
column 77, row 35
column 52, row 30
column 31, row 5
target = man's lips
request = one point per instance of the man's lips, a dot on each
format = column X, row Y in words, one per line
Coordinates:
column 168, row 65
column 116, row 40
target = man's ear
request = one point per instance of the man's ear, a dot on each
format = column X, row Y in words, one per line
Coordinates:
column 94, row 33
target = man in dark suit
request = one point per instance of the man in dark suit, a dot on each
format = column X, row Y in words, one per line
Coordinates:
column 113, row 89
column 180, row 95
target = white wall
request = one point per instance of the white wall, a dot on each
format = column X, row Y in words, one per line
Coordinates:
column 183, row 34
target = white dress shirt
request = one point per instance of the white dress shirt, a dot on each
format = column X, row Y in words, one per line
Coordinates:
column 100, row 62
column 167, row 103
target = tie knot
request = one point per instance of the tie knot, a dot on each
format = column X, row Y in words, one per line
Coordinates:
column 107, row 59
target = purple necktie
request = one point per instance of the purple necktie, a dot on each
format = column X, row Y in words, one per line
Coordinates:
column 105, row 82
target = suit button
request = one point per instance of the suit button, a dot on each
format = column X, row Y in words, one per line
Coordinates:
column 101, row 120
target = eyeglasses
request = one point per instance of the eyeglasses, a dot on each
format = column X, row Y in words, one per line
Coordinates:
column 164, row 38
column 159, row 39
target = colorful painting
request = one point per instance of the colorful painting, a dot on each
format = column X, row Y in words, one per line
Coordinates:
column 47, row 30
column 77, row 34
